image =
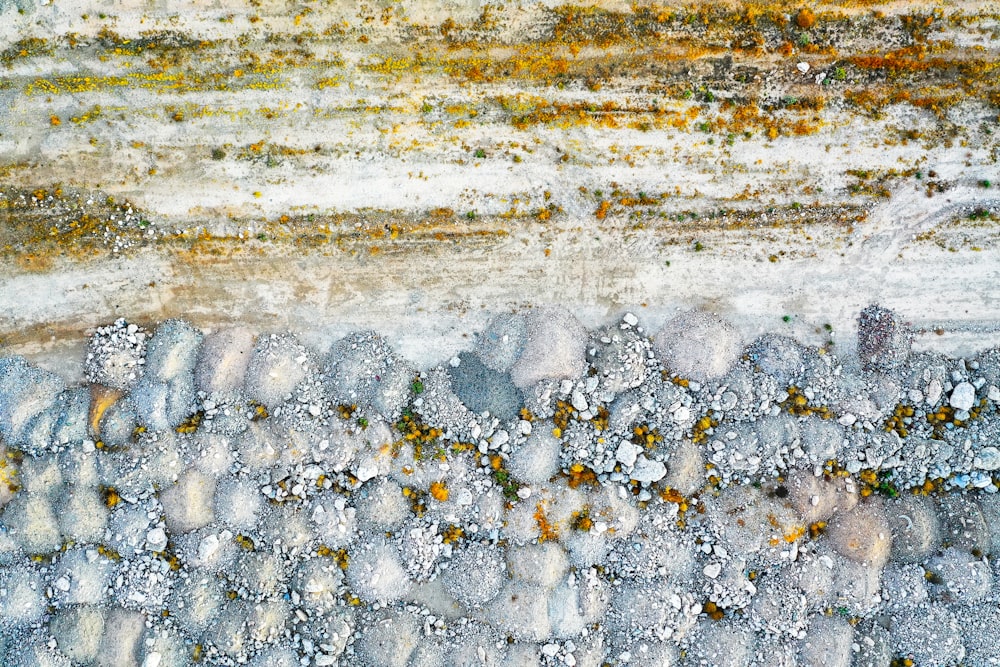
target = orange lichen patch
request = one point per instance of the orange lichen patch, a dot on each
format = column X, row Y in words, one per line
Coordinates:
column 671, row 495
column 805, row 19
column 258, row 412
column 244, row 542
column 602, row 210
column 564, row 412
column 899, row 420
column 8, row 474
column 110, row 497
column 527, row 415
column 816, row 529
column 340, row 555
column 713, row 611
column 439, row 491
column 417, row 500
column 798, row 404
column 646, row 437
column 417, row 433
column 108, row 552
column 191, row 424
column 600, row 420
column 787, row 533
column 546, row 530
column 703, row 427
column 929, row 486
column 452, row 534
column 101, row 398
column 580, row 474
column 580, row 520
column 29, row 47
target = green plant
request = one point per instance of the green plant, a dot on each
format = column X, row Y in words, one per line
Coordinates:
column 480, row 152
column 417, row 386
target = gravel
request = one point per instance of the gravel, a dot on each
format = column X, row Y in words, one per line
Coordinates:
column 552, row 497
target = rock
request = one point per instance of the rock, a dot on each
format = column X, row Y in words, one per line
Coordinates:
column 123, row 632
column 698, row 345
column 78, row 631
column 502, row 342
column 542, row 565
column 25, row 391
column 863, row 534
column 188, row 505
column 988, row 459
column 647, row 472
column 916, row 530
column 554, row 349
column 827, row 643
column 963, row 396
column 172, row 351
column 277, row 364
column 883, row 340
column 222, row 361
column 475, row 575
column 537, row 460
column 627, row 453
column 483, row 389
column 116, row 355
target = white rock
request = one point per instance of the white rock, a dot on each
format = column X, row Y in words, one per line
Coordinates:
column 993, row 393
column 367, row 470
column 988, row 459
column 208, row 547
column 627, row 453
column 802, row 67
column 963, row 397
column 152, row 660
column 156, row 539
column 579, row 401
column 712, row 570
column 646, row 471
column 682, row 414
column 847, row 419
column 630, row 319
column 933, row 392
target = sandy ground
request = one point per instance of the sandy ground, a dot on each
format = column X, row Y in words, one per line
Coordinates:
column 255, row 126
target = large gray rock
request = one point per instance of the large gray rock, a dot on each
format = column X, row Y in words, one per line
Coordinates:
column 698, row 345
